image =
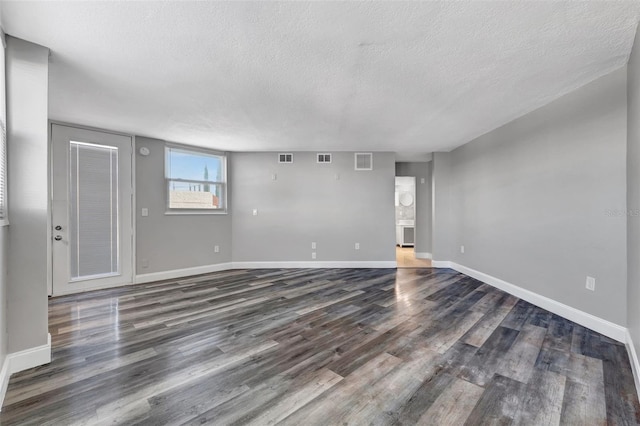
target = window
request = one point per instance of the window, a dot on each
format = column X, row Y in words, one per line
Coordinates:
column 285, row 158
column 324, row 158
column 93, row 211
column 363, row 161
column 196, row 180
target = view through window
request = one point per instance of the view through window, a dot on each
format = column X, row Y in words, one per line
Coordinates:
column 196, row 180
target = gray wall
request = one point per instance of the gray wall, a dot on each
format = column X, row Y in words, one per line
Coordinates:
column 442, row 227
column 28, row 257
column 421, row 171
column 169, row 242
column 633, row 193
column 307, row 203
column 540, row 202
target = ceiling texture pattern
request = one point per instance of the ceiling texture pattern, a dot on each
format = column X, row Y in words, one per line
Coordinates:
column 411, row 77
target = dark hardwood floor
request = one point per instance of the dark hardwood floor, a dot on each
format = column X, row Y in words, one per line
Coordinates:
column 317, row 347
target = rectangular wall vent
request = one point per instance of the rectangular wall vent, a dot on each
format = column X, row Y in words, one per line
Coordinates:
column 324, row 158
column 285, row 158
column 364, row 161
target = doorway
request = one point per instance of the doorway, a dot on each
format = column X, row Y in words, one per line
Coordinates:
column 91, row 209
column 405, row 211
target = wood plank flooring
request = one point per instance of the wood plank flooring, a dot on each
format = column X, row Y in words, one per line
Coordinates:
column 318, row 347
column 406, row 258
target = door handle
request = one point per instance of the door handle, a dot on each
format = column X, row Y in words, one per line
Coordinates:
column 58, row 237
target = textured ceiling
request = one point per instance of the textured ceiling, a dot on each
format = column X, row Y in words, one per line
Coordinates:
column 409, row 77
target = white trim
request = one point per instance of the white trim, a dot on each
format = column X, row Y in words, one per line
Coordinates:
column 440, row 264
column 64, row 292
column 325, row 264
column 608, row 328
column 633, row 357
column 29, row 358
column 23, row 360
column 285, row 157
column 423, row 255
column 4, row 380
column 134, row 209
column 323, row 154
column 355, row 161
column 178, row 212
column 180, row 273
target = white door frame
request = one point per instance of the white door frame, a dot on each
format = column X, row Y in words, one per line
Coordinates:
column 132, row 259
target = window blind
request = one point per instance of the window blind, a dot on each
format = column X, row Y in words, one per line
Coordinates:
column 3, row 170
column 3, row 131
column 93, row 210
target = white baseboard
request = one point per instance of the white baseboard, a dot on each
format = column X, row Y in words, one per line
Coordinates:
column 441, row 264
column 64, row 292
column 319, row 264
column 633, row 358
column 180, row 273
column 423, row 255
column 29, row 358
column 4, row 380
column 608, row 328
column 23, row 360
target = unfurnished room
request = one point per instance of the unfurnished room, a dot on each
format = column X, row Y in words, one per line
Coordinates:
column 319, row 213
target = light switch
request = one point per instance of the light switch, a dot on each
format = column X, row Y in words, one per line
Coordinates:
column 255, row 212
column 145, row 212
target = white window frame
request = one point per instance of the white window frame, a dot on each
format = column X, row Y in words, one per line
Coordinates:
column 355, row 159
column 223, row 183
column 324, row 156
column 290, row 154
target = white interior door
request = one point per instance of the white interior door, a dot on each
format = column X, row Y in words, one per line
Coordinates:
column 92, row 211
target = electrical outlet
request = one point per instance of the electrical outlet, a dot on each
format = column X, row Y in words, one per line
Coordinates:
column 216, row 249
column 255, row 212
column 145, row 212
column 421, row 180
column 313, row 245
column 336, row 176
column 313, row 255
column 357, row 246
column 461, row 249
column 145, row 263
column 591, row 284
column 274, row 176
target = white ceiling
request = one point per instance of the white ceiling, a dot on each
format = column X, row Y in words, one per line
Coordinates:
column 409, row 77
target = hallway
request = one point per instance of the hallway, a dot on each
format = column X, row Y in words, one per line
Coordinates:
column 405, row 256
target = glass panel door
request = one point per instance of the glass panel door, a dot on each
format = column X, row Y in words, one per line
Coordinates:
column 92, row 209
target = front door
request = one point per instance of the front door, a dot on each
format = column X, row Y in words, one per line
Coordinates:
column 91, row 210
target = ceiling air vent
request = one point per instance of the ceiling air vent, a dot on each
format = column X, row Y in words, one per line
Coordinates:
column 285, row 158
column 364, row 161
column 324, row 158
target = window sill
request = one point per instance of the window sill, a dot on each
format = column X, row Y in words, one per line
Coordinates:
column 194, row 212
